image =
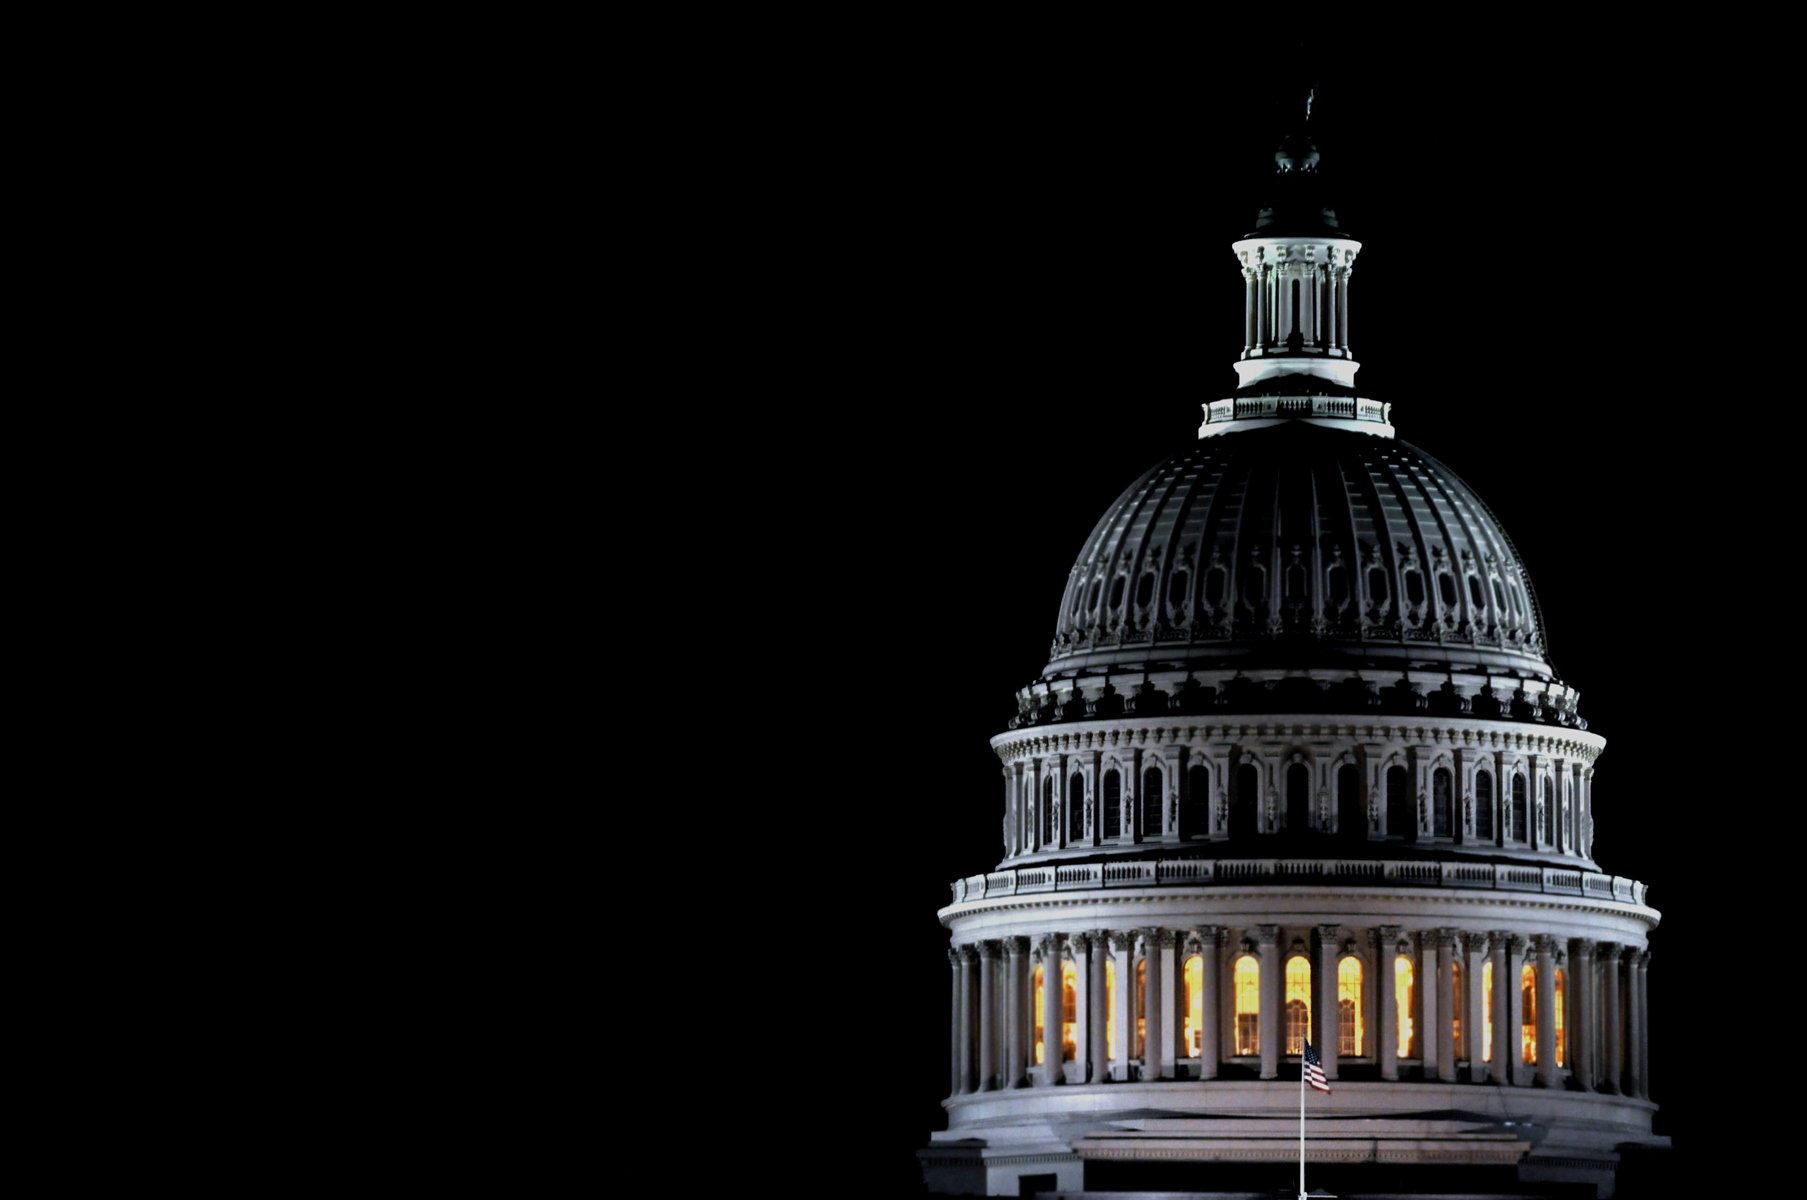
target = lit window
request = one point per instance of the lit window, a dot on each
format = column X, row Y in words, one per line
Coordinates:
column 1039, row 1002
column 1528, row 1031
column 1561, row 1041
column 1248, row 1005
column 1195, row 1005
column 1403, row 1000
column 1486, row 1012
column 1349, row 1031
column 1298, row 1003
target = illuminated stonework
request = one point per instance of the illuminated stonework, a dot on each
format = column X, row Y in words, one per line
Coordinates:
column 1298, row 767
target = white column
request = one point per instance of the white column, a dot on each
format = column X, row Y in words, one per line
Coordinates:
column 1166, row 939
column 1474, row 1011
column 1546, row 1010
column 988, row 1008
column 1123, row 957
column 1097, row 1031
column 1612, row 1023
column 1151, row 1004
column 1326, row 1026
column 1582, row 1032
column 1308, row 297
column 967, row 961
column 1051, row 1070
column 1334, row 339
column 1273, row 998
column 1081, row 947
column 1513, row 1055
column 1388, row 1009
column 1446, row 1005
column 1288, row 319
column 1640, row 1005
column 1430, row 1013
column 1210, row 1045
column 953, row 1023
column 1249, row 291
column 1504, row 989
column 1015, row 954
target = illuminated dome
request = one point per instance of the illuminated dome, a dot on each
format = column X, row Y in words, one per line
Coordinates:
column 1298, row 770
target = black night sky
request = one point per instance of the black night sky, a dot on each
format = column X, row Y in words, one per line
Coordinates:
column 1016, row 293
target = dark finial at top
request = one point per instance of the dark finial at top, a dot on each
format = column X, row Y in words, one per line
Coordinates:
column 1298, row 152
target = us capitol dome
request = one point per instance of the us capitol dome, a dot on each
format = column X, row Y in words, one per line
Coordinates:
column 1298, row 768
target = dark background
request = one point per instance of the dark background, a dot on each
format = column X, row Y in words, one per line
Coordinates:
column 1007, row 293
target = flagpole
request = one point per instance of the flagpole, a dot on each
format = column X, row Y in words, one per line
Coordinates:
column 1301, row 1126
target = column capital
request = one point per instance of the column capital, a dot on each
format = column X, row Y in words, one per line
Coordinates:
column 1016, row 947
column 1046, row 944
column 1581, row 947
column 953, row 957
column 988, row 950
column 1447, row 939
column 1543, row 943
column 1515, row 944
column 1163, row 938
column 1268, row 935
column 968, row 955
column 1119, row 942
column 1079, row 943
column 1384, row 936
column 1643, row 957
column 1328, row 935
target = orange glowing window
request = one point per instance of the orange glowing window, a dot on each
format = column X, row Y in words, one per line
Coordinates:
column 1039, row 1002
column 1194, row 1032
column 1561, row 1041
column 1298, row 1003
column 1528, row 1031
column 1406, row 1004
column 1248, row 1005
column 1486, row 1012
column 1349, row 1031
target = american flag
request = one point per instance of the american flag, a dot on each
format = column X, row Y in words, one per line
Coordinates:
column 1314, row 1070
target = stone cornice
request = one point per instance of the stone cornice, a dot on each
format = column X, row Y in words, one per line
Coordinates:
column 1274, row 730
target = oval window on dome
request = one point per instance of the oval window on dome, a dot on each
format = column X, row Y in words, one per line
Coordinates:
column 1499, row 596
column 1214, row 584
column 1116, row 593
column 1446, row 587
column 1414, row 588
column 1377, row 584
column 1145, row 589
column 1097, row 586
column 1177, row 587
column 1476, row 596
column 1336, row 581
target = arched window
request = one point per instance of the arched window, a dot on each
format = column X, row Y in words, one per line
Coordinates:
column 1069, row 1011
column 1562, row 1042
column 1194, row 1029
column 1442, row 817
column 1153, row 799
column 1076, row 809
column 1298, row 798
column 1349, row 1032
column 1401, row 821
column 1298, row 1003
column 1141, row 1007
column 1483, row 806
column 1487, row 1012
column 1248, row 1005
column 1528, row 1031
column 1519, row 825
column 1351, row 813
column 1455, row 1017
column 1048, row 811
column 1112, row 1051
column 1406, row 1001
column 1245, row 804
column 1113, row 804
column 1195, row 812
column 1040, row 1014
